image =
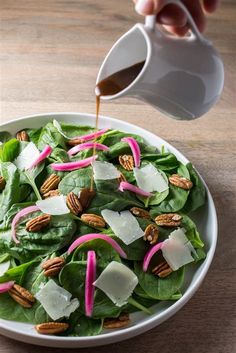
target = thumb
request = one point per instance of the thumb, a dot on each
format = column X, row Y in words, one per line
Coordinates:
column 149, row 7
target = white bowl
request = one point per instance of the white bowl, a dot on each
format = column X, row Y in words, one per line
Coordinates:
column 205, row 219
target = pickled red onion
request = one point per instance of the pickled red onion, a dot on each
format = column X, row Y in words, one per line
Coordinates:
column 124, row 185
column 133, row 144
column 18, row 216
column 6, row 286
column 91, row 136
column 92, row 236
column 86, row 146
column 43, row 155
column 149, row 255
column 67, row 167
column 90, row 279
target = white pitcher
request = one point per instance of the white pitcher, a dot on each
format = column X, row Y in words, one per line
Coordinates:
column 182, row 77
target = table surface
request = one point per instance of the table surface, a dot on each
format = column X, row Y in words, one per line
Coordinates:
column 50, row 54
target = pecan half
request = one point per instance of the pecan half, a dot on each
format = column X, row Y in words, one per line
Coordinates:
column 168, row 220
column 127, row 161
column 140, row 212
column 38, row 223
column 2, row 183
column 53, row 266
column 74, row 142
column 162, row 270
column 50, row 183
column 22, row 296
column 93, row 220
column 180, row 182
column 51, row 193
column 122, row 178
column 85, row 197
column 22, row 136
column 51, row 328
column 122, row 321
column 73, row 203
column 151, row 233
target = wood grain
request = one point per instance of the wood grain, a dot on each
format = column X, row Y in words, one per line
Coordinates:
column 50, row 54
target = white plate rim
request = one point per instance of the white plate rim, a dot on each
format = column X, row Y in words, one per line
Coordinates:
column 115, row 336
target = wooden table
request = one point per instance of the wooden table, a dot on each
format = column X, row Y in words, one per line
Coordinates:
column 50, row 54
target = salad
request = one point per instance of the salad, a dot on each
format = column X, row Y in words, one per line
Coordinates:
column 94, row 225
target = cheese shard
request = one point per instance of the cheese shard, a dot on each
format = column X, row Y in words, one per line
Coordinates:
column 56, row 300
column 25, row 158
column 117, row 281
column 151, row 179
column 104, row 171
column 177, row 249
column 124, row 225
column 55, row 205
column 4, row 266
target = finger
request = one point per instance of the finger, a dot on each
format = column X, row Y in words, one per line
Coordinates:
column 149, row 7
column 196, row 11
column 179, row 31
column 172, row 15
column 210, row 5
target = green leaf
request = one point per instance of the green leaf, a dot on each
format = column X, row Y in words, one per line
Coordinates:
column 87, row 327
column 5, row 136
column 50, row 136
column 9, row 150
column 159, row 288
column 10, row 194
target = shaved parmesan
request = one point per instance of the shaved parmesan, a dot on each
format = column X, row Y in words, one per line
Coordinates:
column 124, row 225
column 117, row 281
column 104, row 170
column 55, row 205
column 25, row 158
column 177, row 249
column 4, row 266
column 151, row 179
column 56, row 300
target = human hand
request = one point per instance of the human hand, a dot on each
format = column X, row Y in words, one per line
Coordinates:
column 172, row 17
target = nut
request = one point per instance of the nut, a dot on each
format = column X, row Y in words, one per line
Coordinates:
column 122, row 178
column 51, row 328
column 162, row 270
column 126, row 161
column 22, row 136
column 74, row 142
column 53, row 266
column 74, row 204
column 168, row 220
column 51, row 193
column 36, row 224
column 93, row 220
column 2, row 183
column 151, row 233
column 122, row 321
column 140, row 212
column 85, row 197
column 180, row 182
column 22, row 296
column 50, row 183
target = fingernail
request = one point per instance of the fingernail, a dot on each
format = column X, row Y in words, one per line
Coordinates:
column 144, row 7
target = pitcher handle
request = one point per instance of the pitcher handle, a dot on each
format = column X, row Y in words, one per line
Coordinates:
column 150, row 21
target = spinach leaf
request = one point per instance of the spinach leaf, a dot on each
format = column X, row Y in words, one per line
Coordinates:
column 9, row 150
column 159, row 288
column 50, row 136
column 10, row 194
column 87, row 327
column 5, row 136
column 104, row 307
column 58, row 155
column 16, row 273
column 197, row 196
column 107, row 193
column 191, row 232
column 164, row 161
column 57, row 235
column 71, row 130
column 110, row 138
column 177, row 197
column 34, row 135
